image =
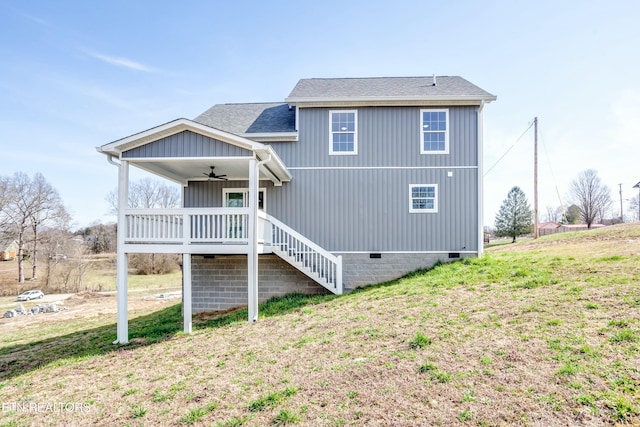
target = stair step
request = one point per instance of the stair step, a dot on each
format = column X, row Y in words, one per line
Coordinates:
column 301, row 265
column 304, row 261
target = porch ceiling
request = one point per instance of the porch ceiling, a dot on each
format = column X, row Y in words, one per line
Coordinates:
column 195, row 169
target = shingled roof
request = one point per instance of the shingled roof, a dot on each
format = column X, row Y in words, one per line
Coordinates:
column 273, row 117
column 258, row 119
column 444, row 88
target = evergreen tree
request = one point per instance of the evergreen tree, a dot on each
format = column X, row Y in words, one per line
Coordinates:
column 572, row 215
column 515, row 217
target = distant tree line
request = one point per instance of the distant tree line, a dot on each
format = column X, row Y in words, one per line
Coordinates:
column 591, row 203
column 147, row 193
column 33, row 214
column 99, row 238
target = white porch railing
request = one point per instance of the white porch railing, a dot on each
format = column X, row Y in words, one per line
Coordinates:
column 215, row 226
column 186, row 226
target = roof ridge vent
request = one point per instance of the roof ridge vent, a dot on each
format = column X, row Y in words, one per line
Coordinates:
column 434, row 80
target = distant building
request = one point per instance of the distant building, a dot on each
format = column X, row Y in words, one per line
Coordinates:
column 8, row 250
column 547, row 228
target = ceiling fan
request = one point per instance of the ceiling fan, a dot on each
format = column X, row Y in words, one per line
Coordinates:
column 212, row 176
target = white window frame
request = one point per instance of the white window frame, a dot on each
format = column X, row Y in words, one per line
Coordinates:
column 355, row 133
column 245, row 195
column 411, row 198
column 446, row 132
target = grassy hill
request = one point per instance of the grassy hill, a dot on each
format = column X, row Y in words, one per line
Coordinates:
column 543, row 332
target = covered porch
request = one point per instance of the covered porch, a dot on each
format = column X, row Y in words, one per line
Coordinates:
column 184, row 151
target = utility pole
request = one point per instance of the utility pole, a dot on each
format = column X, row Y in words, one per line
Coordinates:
column 621, row 214
column 536, row 232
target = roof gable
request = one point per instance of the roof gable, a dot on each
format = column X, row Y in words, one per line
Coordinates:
column 187, row 144
column 161, row 150
column 174, row 127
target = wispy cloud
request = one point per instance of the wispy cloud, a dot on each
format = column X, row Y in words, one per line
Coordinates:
column 35, row 19
column 120, row 62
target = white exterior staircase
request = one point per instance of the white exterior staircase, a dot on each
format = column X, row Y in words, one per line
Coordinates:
column 312, row 260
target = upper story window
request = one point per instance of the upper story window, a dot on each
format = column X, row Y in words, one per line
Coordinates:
column 423, row 198
column 435, row 131
column 343, row 135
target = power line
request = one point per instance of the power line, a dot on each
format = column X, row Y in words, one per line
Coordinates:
column 507, row 152
column 553, row 175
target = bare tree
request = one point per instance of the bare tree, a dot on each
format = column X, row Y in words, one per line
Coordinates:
column 147, row 193
column 47, row 210
column 72, row 272
column 99, row 237
column 4, row 192
column 15, row 215
column 28, row 205
column 554, row 214
column 592, row 197
column 634, row 208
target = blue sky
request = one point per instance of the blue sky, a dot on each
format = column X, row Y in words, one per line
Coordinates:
column 75, row 75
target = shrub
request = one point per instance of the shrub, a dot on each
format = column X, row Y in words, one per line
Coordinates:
column 155, row 263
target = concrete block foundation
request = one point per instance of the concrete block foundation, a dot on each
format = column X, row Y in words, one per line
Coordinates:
column 220, row 282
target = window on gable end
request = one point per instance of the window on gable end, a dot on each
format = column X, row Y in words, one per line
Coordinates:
column 423, row 198
column 435, row 131
column 343, row 134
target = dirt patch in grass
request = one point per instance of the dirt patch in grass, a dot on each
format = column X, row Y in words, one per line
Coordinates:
column 84, row 306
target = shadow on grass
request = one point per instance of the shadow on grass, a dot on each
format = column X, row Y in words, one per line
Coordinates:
column 152, row 328
column 143, row 330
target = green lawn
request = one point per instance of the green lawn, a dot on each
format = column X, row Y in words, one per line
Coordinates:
column 543, row 332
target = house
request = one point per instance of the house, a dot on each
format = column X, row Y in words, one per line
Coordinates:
column 348, row 182
column 547, row 228
column 8, row 250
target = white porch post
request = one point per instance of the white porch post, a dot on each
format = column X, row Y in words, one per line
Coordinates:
column 186, row 292
column 122, row 261
column 252, row 254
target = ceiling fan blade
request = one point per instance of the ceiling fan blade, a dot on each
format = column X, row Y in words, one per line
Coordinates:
column 212, row 175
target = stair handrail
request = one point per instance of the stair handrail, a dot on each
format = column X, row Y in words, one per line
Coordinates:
column 334, row 280
column 299, row 236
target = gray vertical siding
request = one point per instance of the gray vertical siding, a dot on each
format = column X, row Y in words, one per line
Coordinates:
column 361, row 203
column 366, row 210
column 205, row 194
column 187, row 144
column 387, row 136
